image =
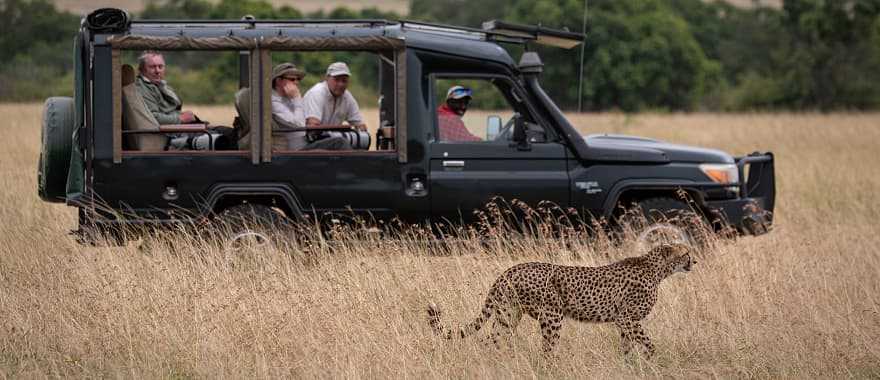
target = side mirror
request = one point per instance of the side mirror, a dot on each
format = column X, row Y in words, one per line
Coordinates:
column 493, row 127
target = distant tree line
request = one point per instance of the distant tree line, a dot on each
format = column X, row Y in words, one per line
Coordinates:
column 639, row 54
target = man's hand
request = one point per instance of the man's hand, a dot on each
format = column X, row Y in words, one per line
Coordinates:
column 187, row 117
column 290, row 90
column 361, row 127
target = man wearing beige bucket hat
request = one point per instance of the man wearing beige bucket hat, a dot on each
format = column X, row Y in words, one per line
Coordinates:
column 288, row 111
column 287, row 104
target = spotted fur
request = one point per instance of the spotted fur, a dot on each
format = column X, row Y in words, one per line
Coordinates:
column 623, row 293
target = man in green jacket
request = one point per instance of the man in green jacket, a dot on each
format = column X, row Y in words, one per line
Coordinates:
column 159, row 97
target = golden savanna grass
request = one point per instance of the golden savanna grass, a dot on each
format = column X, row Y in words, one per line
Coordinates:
column 801, row 302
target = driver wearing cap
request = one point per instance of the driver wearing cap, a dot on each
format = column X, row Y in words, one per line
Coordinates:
column 449, row 115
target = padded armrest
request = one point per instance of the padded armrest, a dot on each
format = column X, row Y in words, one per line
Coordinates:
column 183, row 128
column 315, row 128
column 170, row 128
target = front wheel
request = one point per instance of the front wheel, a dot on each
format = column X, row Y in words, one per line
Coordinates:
column 660, row 220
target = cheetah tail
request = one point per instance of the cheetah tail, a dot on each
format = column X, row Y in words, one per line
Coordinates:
column 447, row 333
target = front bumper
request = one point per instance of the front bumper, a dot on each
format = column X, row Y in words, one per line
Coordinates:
column 752, row 212
column 747, row 215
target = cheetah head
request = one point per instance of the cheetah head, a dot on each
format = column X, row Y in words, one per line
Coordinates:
column 683, row 263
column 678, row 256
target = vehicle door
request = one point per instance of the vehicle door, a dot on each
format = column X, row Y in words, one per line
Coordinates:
column 474, row 159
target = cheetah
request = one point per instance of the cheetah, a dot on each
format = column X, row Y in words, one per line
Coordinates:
column 623, row 292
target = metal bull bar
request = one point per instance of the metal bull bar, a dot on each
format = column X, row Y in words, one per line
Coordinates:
column 760, row 186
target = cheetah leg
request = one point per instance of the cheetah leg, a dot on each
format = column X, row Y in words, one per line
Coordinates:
column 551, row 323
column 505, row 323
column 631, row 331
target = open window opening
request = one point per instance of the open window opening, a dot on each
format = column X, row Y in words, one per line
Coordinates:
column 344, row 102
column 180, row 102
column 482, row 109
column 237, row 73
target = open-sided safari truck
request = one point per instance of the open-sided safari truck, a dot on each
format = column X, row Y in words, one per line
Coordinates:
column 104, row 154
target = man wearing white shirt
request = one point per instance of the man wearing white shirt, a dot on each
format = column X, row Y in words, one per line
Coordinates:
column 330, row 102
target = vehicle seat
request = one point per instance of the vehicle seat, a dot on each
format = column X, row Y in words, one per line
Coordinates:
column 279, row 139
column 136, row 117
column 242, row 122
column 243, row 107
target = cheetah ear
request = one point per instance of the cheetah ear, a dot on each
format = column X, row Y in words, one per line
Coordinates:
column 664, row 249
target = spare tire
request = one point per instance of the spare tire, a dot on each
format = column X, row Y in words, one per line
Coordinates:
column 57, row 141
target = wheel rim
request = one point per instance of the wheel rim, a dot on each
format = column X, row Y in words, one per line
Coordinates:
column 250, row 238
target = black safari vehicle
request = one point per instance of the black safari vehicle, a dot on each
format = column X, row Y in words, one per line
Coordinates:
column 98, row 156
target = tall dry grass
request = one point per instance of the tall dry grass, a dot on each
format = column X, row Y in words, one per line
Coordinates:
column 801, row 302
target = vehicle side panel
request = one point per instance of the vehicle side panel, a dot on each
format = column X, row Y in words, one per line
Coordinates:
column 597, row 188
column 466, row 177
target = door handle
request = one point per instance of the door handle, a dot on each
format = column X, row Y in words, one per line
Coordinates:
column 453, row 164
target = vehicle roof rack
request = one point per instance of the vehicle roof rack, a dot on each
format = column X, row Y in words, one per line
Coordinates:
column 452, row 30
column 267, row 22
column 537, row 33
column 500, row 31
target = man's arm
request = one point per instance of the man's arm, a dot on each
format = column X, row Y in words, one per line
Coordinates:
column 286, row 117
column 312, row 122
column 151, row 100
column 312, row 109
column 354, row 113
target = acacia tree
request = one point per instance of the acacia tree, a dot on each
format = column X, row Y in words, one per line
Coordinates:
column 36, row 45
column 639, row 53
column 833, row 54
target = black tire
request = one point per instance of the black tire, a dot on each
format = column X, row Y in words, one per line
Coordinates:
column 252, row 225
column 665, row 219
column 57, row 141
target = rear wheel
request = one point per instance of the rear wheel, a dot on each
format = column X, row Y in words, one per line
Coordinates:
column 659, row 220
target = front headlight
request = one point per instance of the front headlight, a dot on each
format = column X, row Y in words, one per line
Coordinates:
column 722, row 173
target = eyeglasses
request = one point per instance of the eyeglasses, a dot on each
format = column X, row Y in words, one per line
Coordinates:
column 295, row 79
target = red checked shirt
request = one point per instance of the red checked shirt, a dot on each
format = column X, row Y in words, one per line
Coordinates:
column 451, row 126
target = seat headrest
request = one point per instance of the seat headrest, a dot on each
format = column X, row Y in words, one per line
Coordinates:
column 127, row 75
column 243, row 102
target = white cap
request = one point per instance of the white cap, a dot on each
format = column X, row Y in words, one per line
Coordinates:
column 458, row 92
column 337, row 69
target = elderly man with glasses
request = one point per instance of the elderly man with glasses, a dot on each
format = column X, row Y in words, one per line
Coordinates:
column 451, row 127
